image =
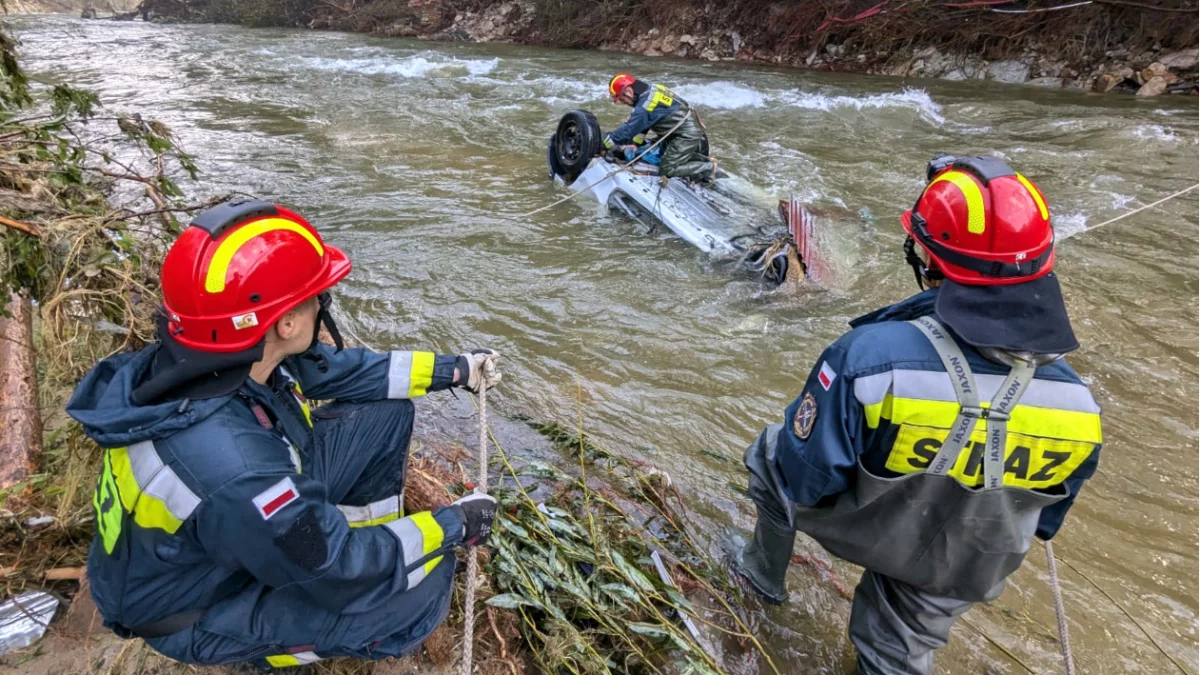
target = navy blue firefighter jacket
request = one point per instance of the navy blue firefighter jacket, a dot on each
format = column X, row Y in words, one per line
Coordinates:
column 875, row 401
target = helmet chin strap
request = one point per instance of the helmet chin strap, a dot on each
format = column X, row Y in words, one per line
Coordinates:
column 324, row 318
column 920, row 270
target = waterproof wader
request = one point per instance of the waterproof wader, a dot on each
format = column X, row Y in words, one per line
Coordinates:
column 931, row 545
column 683, row 157
column 361, row 455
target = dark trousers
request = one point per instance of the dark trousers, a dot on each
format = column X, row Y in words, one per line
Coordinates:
column 895, row 627
column 361, row 455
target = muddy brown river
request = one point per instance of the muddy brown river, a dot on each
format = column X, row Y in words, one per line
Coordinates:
column 408, row 154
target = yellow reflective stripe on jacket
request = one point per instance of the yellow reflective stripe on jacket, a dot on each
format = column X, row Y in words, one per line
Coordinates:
column 661, row 95
column 298, row 393
column 1030, row 462
column 1045, row 422
column 926, row 398
column 433, row 536
column 410, row 374
column 146, row 488
column 375, row 513
column 303, row 403
column 289, row 660
column 107, row 501
column 1051, row 432
column 419, row 535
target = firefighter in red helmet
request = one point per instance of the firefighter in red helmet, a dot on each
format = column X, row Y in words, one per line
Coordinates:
column 660, row 110
column 236, row 523
column 937, row 438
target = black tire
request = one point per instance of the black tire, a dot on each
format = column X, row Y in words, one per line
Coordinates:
column 576, row 142
column 552, row 160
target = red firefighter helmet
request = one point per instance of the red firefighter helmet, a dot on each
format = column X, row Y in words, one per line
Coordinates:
column 988, row 234
column 982, row 223
column 619, row 83
column 238, row 268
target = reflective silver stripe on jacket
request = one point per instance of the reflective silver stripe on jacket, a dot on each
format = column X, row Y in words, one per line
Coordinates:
column 160, row 481
column 306, row 657
column 375, row 513
column 399, row 374
column 933, row 385
column 412, row 542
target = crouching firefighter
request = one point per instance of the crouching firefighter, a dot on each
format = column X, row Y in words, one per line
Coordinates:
column 658, row 109
column 933, row 441
column 236, row 523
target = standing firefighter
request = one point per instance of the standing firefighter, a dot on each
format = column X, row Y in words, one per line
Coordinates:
column 933, row 441
column 658, row 109
column 236, row 523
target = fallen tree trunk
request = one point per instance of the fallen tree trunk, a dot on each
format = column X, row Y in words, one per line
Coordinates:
column 20, row 419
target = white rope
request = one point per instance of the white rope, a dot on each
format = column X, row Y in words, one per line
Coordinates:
column 472, row 554
column 1063, row 640
column 1135, row 211
column 480, row 487
column 623, row 169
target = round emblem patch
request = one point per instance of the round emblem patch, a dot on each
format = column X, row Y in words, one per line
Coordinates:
column 806, row 415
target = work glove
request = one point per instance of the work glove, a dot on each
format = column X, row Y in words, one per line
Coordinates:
column 476, row 368
column 477, row 511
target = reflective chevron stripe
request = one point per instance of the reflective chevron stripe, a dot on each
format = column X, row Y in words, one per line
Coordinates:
column 375, row 513
column 419, row 535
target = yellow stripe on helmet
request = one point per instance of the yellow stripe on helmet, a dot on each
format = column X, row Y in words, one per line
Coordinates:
column 974, row 196
column 214, row 281
column 1037, row 197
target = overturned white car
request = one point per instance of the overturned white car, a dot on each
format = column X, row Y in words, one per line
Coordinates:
column 728, row 219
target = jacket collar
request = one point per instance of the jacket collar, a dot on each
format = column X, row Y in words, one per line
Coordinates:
column 915, row 307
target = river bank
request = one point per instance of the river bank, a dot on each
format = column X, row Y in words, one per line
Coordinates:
column 1095, row 45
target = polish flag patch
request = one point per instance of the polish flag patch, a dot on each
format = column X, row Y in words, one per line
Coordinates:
column 826, row 376
column 273, row 499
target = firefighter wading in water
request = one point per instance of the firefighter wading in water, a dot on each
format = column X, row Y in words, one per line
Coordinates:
column 234, row 523
column 933, row 441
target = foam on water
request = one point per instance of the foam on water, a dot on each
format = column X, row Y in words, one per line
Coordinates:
column 1154, row 132
column 914, row 99
column 733, row 96
column 1069, row 225
column 722, row 95
column 417, row 65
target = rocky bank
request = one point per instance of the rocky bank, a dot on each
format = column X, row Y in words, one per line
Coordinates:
column 1144, row 48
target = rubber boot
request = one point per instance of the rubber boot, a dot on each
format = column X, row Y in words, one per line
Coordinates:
column 764, row 562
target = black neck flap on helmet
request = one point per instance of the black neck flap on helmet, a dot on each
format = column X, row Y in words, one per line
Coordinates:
column 179, row 372
column 639, row 88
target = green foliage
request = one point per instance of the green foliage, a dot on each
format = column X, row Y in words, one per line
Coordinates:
column 576, row 569
column 14, row 86
column 67, row 102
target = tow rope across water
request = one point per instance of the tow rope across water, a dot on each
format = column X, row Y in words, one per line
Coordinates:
column 1123, row 216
